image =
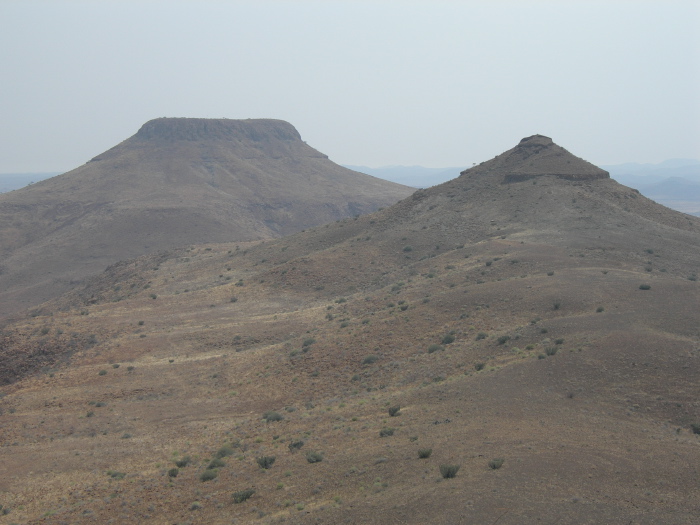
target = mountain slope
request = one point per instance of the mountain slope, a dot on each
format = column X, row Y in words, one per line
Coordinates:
column 176, row 182
column 531, row 310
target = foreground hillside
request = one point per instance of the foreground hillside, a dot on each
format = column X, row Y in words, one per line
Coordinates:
column 532, row 322
column 176, row 182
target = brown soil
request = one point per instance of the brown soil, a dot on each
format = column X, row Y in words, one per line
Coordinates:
column 574, row 310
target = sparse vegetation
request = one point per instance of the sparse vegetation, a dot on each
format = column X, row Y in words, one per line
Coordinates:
column 481, row 335
column 209, row 474
column 370, row 359
column 424, row 453
column 271, row 416
column 435, row 348
column 479, row 366
column 182, row 463
column 173, row 472
column 385, row 432
column 224, row 451
column 102, row 373
column 296, row 445
column 449, row 471
column 215, row 463
column 394, row 411
column 448, row 339
column 314, row 457
column 496, row 463
column 265, row 462
column 644, row 287
column 242, row 495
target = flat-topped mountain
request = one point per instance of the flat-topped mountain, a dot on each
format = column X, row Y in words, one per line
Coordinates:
column 176, row 182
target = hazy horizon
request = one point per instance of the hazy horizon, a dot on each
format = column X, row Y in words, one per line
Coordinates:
column 440, row 83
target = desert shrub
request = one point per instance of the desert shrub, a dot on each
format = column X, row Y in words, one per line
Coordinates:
column 503, row 339
column 308, row 342
column 271, row 415
column 550, row 273
column 314, row 457
column 130, row 368
column 394, row 411
column 209, row 474
column 695, row 427
column 173, row 472
column 242, row 495
column 693, row 277
column 296, row 445
column 435, row 348
column 370, row 359
column 599, row 309
column 424, row 453
column 448, row 339
column 102, row 372
column 481, row 335
column 644, row 287
column 116, row 475
column 385, row 432
column 407, row 248
column 489, row 263
column 224, row 451
column 265, row 462
column 551, row 350
column 215, row 463
column 449, row 471
column 182, row 463
column 559, row 342
column 496, row 463
column 90, row 414
column 556, row 305
column 479, row 366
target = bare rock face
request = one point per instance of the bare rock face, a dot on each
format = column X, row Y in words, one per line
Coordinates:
column 537, row 156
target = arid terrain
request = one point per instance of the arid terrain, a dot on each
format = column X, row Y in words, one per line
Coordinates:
column 175, row 182
column 532, row 327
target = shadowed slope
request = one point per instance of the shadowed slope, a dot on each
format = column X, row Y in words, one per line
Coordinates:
column 176, row 182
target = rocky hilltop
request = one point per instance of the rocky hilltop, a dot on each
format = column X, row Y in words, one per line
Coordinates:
column 177, row 181
column 538, row 156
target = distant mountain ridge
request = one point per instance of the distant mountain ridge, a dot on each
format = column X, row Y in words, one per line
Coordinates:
column 674, row 182
column 15, row 181
column 415, row 176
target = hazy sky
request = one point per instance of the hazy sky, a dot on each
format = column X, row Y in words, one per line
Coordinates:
column 434, row 83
